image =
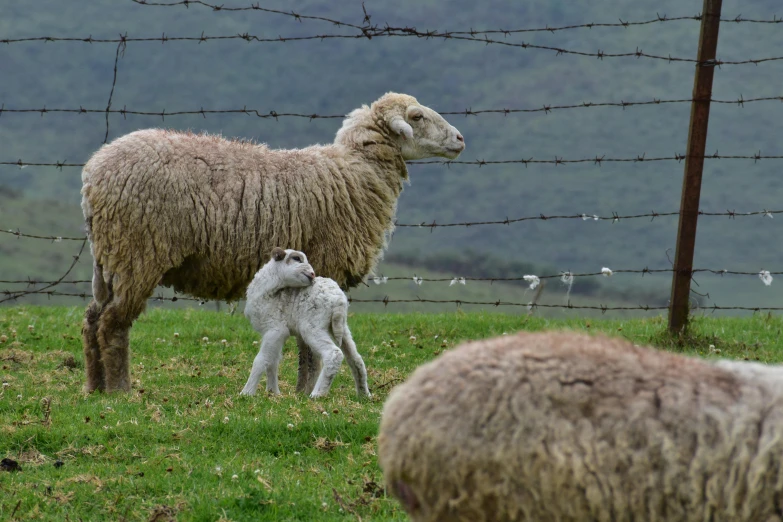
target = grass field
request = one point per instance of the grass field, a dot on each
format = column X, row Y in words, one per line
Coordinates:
column 184, row 446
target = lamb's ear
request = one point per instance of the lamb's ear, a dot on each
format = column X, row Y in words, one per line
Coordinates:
column 278, row 254
column 401, row 127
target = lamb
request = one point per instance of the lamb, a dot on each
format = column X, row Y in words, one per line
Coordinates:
column 569, row 427
column 285, row 298
column 198, row 213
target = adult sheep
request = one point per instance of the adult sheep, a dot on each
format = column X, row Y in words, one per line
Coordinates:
column 200, row 213
column 567, row 427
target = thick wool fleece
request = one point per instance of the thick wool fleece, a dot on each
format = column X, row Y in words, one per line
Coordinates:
column 199, row 213
column 545, row 427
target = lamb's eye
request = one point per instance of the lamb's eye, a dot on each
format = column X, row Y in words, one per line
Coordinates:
column 417, row 117
column 297, row 259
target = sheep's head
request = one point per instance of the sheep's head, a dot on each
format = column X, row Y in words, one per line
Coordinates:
column 293, row 269
column 423, row 133
column 419, row 131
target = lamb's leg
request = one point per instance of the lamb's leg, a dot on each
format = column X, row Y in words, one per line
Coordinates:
column 309, row 366
column 355, row 363
column 92, row 353
column 267, row 361
column 331, row 358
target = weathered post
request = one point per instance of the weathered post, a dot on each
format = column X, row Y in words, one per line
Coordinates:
column 694, row 164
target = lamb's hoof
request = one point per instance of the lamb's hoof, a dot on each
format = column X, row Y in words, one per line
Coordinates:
column 246, row 391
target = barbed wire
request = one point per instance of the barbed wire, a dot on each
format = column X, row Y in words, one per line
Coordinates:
column 621, row 23
column 533, row 306
column 458, row 302
column 16, row 295
column 614, row 218
column 273, row 114
column 256, row 7
column 597, row 160
column 387, row 31
column 643, row 271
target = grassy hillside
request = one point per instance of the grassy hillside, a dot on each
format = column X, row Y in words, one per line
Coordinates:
column 183, row 444
column 334, row 76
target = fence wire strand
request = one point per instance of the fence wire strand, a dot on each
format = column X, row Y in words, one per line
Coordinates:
column 596, row 160
column 273, row 114
column 411, row 278
column 387, row 31
column 620, row 23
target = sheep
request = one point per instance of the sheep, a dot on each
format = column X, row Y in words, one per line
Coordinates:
column 570, row 427
column 198, row 212
column 285, row 298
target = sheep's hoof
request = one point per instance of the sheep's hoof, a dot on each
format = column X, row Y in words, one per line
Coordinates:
column 245, row 391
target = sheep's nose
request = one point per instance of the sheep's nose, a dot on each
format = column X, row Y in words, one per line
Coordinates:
column 460, row 138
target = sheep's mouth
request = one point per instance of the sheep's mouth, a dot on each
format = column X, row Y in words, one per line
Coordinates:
column 310, row 278
column 453, row 152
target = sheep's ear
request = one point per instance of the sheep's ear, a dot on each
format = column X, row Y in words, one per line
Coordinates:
column 278, row 254
column 401, row 127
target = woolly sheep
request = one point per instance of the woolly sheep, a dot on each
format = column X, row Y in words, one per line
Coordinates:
column 568, row 427
column 198, row 213
column 286, row 298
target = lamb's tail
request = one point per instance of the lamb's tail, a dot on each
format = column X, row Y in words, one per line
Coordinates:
column 338, row 320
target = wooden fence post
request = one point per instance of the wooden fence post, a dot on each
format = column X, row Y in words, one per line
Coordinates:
column 694, row 164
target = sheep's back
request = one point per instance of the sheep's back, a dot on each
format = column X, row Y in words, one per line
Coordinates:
column 206, row 211
column 566, row 427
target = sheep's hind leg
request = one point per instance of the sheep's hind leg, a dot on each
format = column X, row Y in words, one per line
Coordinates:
column 331, row 358
column 355, row 363
column 309, row 366
column 113, row 330
column 96, row 379
column 267, row 361
column 93, row 366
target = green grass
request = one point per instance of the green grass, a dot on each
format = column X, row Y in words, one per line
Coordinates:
column 183, row 445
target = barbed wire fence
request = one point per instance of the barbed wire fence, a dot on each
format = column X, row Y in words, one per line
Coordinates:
column 368, row 30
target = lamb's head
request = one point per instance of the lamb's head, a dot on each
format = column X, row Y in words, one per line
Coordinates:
column 292, row 268
column 419, row 131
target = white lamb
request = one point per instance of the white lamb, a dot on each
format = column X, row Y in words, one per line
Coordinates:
column 286, row 298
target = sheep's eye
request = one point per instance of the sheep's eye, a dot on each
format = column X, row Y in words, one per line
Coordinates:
column 297, row 259
column 417, row 117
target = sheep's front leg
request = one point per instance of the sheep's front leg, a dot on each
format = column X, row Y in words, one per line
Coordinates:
column 331, row 359
column 267, row 361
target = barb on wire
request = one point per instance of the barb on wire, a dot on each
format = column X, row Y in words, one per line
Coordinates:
column 597, row 160
column 387, row 31
column 620, row 23
column 272, row 114
column 16, row 295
